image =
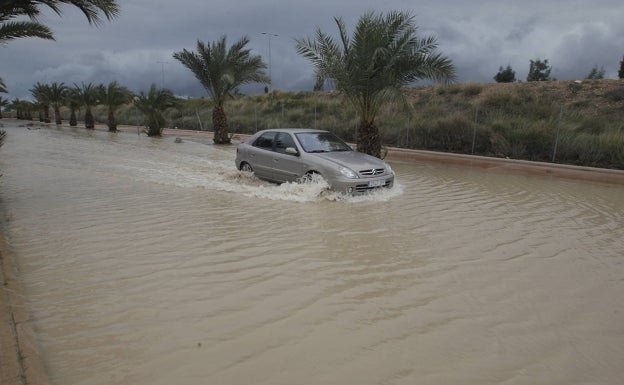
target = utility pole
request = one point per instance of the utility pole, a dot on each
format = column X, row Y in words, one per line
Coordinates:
column 162, row 63
column 270, row 35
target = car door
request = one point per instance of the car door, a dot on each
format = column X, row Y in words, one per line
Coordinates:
column 261, row 155
column 287, row 167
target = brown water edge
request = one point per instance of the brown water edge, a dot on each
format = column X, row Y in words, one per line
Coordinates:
column 173, row 133
column 20, row 360
column 503, row 165
column 20, row 357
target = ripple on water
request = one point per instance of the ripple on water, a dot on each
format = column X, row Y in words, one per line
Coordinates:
column 153, row 262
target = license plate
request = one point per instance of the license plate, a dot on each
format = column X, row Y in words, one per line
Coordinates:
column 376, row 183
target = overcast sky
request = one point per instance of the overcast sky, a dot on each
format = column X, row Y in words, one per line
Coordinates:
column 479, row 36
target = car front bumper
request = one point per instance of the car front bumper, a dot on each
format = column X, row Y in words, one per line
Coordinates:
column 362, row 185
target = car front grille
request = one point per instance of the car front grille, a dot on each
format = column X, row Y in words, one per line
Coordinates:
column 372, row 172
column 365, row 187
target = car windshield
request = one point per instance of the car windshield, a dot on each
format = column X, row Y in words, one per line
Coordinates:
column 321, row 142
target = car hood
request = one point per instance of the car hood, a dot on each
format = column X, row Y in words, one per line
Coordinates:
column 352, row 159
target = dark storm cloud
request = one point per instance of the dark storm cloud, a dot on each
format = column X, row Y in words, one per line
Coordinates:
column 136, row 48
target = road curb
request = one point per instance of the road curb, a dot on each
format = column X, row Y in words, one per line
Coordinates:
column 21, row 362
column 555, row 170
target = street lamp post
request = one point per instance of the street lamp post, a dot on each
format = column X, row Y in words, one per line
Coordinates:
column 270, row 35
column 162, row 63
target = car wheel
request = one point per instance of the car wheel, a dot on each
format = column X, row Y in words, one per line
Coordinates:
column 246, row 167
column 309, row 177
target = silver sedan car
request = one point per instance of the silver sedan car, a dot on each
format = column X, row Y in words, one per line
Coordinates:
column 296, row 154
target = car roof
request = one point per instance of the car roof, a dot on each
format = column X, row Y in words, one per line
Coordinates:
column 293, row 130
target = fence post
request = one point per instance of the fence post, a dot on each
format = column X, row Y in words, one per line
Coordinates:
column 557, row 136
column 409, row 121
column 474, row 132
column 315, row 115
column 201, row 126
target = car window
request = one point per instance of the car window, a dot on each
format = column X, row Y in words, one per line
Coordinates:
column 265, row 140
column 321, row 142
column 283, row 141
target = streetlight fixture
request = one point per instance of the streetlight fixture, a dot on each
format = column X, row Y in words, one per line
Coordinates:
column 270, row 35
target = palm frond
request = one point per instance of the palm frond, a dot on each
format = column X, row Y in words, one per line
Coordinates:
column 24, row 29
column 221, row 70
column 92, row 9
column 373, row 64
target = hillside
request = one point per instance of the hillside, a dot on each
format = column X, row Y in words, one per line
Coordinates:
column 573, row 122
column 515, row 120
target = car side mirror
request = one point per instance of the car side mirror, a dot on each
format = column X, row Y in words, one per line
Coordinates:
column 291, row 151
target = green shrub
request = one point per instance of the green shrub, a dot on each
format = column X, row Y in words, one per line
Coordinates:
column 615, row 95
column 499, row 100
column 453, row 133
column 612, row 144
column 592, row 126
column 472, row 89
column 517, row 120
column 589, row 149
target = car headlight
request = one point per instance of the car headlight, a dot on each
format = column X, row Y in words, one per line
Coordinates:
column 348, row 173
column 389, row 169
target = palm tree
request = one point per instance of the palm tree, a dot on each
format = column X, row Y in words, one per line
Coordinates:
column 74, row 101
column 15, row 105
column 3, row 103
column 152, row 106
column 23, row 108
column 383, row 56
column 221, row 71
column 89, row 95
column 114, row 96
column 11, row 29
column 57, row 98
column 42, row 94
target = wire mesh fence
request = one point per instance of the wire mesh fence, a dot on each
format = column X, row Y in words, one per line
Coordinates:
column 552, row 122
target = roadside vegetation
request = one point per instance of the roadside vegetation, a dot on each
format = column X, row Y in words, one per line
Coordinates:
column 21, row 19
column 580, row 123
column 542, row 120
column 372, row 67
column 221, row 71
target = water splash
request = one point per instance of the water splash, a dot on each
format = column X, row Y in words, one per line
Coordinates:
column 187, row 170
column 315, row 190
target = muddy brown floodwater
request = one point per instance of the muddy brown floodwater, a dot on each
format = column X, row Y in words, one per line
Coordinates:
column 146, row 261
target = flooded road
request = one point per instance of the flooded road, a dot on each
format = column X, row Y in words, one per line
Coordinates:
column 146, row 261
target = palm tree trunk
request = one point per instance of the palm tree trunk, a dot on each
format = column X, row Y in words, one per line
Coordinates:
column 46, row 113
column 153, row 128
column 153, row 125
column 112, row 124
column 89, row 120
column 221, row 129
column 57, row 115
column 73, row 120
column 369, row 141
